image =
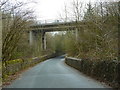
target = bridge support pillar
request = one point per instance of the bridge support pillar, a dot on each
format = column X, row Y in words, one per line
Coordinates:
column 76, row 34
column 31, row 37
column 43, row 41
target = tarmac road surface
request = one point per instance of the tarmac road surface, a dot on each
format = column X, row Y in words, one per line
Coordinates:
column 54, row 73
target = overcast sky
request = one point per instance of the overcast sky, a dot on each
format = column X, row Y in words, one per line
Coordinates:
column 51, row 9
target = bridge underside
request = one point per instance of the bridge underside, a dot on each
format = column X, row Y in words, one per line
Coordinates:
column 40, row 30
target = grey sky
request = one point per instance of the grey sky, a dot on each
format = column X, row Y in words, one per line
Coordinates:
column 51, row 9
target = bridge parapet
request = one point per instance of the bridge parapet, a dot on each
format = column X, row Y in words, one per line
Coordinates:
column 49, row 21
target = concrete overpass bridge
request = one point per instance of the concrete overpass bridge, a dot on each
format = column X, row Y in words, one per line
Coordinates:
column 41, row 29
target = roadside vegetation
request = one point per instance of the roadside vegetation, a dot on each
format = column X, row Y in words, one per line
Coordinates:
column 15, row 20
column 98, row 37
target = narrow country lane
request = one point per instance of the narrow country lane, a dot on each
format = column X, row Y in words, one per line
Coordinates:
column 54, row 73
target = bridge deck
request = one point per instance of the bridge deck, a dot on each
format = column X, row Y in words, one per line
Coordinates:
column 49, row 27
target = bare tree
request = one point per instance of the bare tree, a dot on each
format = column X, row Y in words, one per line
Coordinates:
column 15, row 22
column 0, row 48
column 98, row 39
column 0, row 35
column 77, row 9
